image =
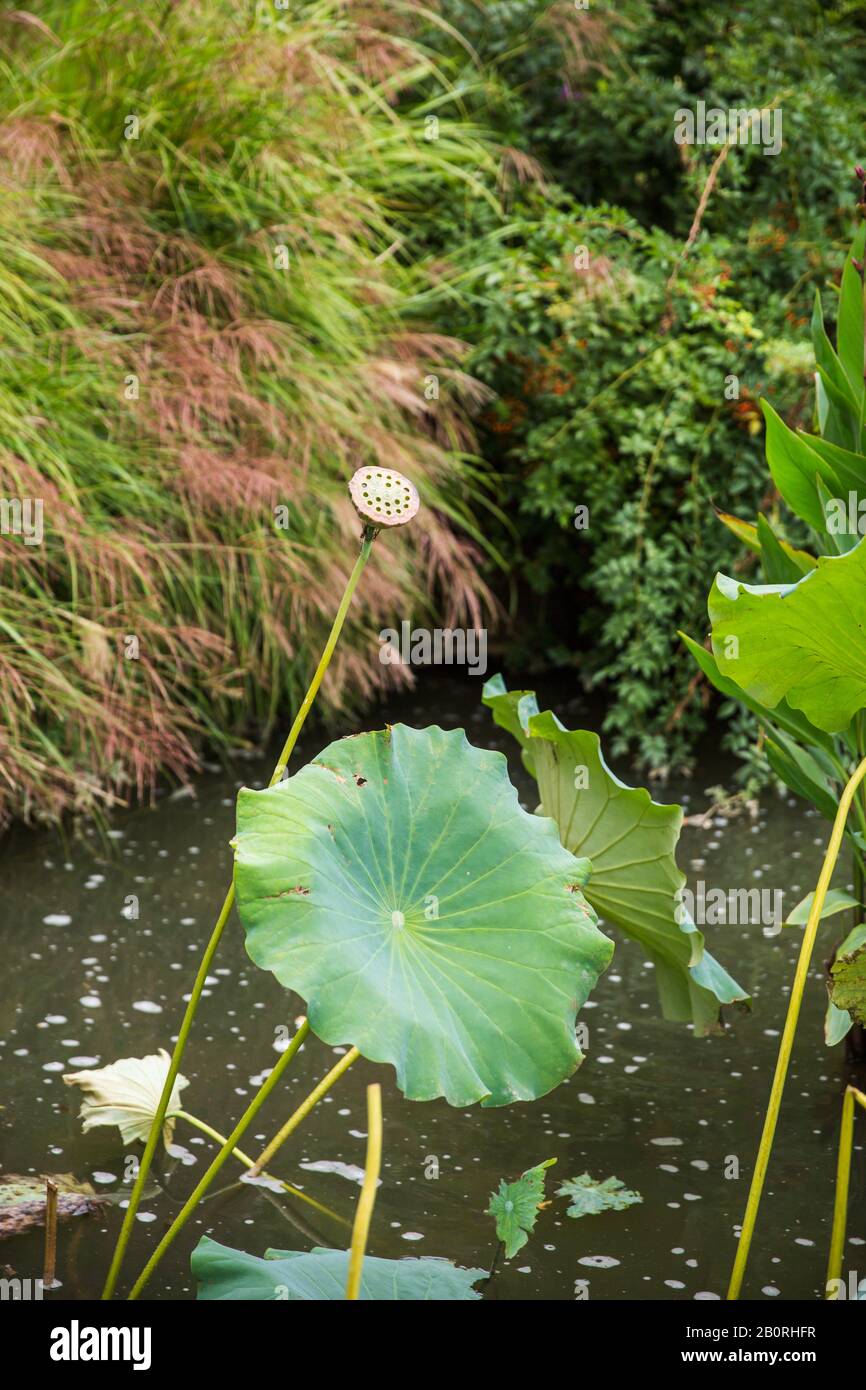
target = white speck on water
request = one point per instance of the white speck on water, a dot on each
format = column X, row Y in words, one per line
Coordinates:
column 598, row 1261
column 585, row 1098
column 674, row 1284
column 82, row 1061
column 411, row 1235
column 666, row 1143
column 91, row 1001
column 145, row 1216
column 801, row 1240
column 707, row 1297
column 57, row 919
column 770, row 1290
column 53, row 1066
column 147, row 1006
column 56, row 1018
column 104, row 1177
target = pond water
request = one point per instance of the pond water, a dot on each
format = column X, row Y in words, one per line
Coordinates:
column 668, row 1114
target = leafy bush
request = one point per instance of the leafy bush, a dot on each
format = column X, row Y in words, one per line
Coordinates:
column 612, row 385
column 617, row 394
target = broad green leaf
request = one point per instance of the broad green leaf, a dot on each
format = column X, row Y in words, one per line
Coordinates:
column 320, row 1276
column 630, row 841
column 799, row 768
column 848, row 976
column 399, row 887
column 838, row 418
column 803, row 642
column 837, row 1024
column 589, row 1196
column 23, row 1200
column 849, row 327
column 515, row 1207
column 127, row 1094
column 747, row 533
column 850, row 468
column 825, row 356
column 837, row 900
column 792, row 721
column 778, row 567
column 836, row 538
column 794, row 466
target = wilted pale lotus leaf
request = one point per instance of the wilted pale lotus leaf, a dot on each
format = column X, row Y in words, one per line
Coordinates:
column 126, row 1094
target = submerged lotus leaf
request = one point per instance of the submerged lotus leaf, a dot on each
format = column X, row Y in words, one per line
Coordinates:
column 398, row 886
column 848, row 977
column 630, row 841
column 320, row 1275
column 126, row 1094
column 589, row 1196
column 23, row 1200
column 516, row 1205
column 804, row 642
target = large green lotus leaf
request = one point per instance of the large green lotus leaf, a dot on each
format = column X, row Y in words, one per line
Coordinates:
column 399, row 887
column 630, row 841
column 320, row 1276
column 804, row 642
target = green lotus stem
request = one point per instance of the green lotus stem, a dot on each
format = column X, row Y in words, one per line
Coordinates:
column 843, row 1177
column 787, row 1042
column 225, row 1152
column 367, row 1199
column 304, row 1109
column 248, row 1163
column 369, row 536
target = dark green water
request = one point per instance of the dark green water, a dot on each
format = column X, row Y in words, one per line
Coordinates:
column 666, row 1113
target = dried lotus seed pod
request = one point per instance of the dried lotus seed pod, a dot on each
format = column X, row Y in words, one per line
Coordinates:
column 383, row 497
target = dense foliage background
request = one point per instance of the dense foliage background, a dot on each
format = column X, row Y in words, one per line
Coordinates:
column 245, row 247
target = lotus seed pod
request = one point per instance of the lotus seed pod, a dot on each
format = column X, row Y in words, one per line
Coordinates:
column 383, row 497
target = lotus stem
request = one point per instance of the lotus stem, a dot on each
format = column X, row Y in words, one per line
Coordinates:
column 50, row 1261
column 369, row 536
column 787, row 1041
column 248, row 1163
column 843, row 1177
column 225, row 1152
column 367, row 1199
column 304, row 1109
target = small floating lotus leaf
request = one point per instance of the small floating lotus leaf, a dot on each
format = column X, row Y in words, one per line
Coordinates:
column 126, row 1094
column 320, row 1275
column 589, row 1196
column 398, row 886
column 383, row 497
column 516, row 1205
column 23, row 1200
